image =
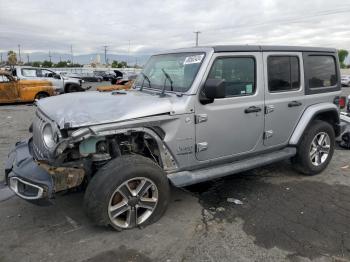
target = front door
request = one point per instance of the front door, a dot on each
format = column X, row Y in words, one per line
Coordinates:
column 49, row 76
column 8, row 90
column 284, row 95
column 233, row 125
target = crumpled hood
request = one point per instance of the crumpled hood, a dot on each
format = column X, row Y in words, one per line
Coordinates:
column 90, row 108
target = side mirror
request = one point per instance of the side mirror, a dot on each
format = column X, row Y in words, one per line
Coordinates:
column 57, row 76
column 214, row 88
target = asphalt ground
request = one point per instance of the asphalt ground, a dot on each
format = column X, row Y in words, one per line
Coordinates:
column 267, row 214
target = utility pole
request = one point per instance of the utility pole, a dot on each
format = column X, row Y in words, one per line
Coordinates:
column 71, row 53
column 28, row 58
column 0, row 58
column 105, row 47
column 127, row 62
column 197, row 35
column 50, row 56
column 19, row 53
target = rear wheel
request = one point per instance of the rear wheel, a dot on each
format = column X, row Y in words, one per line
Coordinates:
column 316, row 148
column 129, row 191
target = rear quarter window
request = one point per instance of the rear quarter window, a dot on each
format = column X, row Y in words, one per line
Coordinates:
column 321, row 73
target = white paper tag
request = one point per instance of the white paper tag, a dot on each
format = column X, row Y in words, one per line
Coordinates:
column 195, row 59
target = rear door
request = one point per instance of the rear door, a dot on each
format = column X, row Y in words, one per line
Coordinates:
column 233, row 125
column 284, row 95
column 8, row 90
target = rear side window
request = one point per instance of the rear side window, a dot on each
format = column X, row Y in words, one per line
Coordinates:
column 322, row 71
column 238, row 74
column 283, row 73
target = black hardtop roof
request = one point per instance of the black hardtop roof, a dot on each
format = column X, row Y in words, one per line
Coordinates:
column 261, row 48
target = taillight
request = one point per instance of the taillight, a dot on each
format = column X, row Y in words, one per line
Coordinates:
column 340, row 101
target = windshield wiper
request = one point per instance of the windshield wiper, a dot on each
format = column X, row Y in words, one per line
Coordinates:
column 147, row 79
column 167, row 77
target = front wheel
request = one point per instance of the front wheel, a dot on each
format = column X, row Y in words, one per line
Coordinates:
column 316, row 148
column 129, row 191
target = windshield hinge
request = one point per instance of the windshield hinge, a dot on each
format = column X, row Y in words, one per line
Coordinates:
column 200, row 118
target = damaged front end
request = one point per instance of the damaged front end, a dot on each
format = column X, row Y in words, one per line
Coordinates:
column 32, row 180
column 55, row 160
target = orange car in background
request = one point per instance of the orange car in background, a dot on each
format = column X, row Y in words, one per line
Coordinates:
column 121, row 85
column 12, row 90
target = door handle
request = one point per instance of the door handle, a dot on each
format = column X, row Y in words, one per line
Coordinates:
column 252, row 109
column 294, row 103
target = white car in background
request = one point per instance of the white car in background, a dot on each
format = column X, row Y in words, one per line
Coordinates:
column 62, row 83
column 345, row 80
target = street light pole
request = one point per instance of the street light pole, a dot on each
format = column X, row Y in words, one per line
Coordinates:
column 19, row 53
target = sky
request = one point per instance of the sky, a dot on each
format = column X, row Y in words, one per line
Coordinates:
column 153, row 25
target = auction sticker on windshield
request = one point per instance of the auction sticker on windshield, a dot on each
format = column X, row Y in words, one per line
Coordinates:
column 195, row 59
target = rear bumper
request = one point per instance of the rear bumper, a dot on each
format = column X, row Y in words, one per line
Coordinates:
column 24, row 176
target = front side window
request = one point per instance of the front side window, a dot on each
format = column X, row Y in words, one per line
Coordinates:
column 238, row 74
column 46, row 73
column 321, row 71
column 180, row 69
column 27, row 72
column 283, row 73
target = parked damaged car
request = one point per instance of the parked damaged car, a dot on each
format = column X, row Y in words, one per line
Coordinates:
column 194, row 115
column 62, row 84
column 14, row 91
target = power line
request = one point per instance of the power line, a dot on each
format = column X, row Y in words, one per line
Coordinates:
column 289, row 20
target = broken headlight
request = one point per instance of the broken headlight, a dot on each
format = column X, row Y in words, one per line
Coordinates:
column 50, row 138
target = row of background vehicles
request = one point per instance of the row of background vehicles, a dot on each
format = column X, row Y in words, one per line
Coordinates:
column 26, row 84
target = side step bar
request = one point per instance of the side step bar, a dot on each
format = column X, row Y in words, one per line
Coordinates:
column 186, row 178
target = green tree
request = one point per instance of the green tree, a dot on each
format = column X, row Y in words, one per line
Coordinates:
column 11, row 58
column 122, row 64
column 342, row 54
column 47, row 63
column 36, row 63
column 61, row 64
column 114, row 64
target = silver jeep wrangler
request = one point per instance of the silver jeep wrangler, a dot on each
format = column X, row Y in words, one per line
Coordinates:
column 193, row 115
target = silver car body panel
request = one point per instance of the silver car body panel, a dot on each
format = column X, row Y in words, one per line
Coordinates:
column 91, row 108
column 307, row 116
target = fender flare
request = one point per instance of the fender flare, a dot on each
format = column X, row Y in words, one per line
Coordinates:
column 309, row 114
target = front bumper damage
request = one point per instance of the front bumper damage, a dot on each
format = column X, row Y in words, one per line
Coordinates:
column 33, row 180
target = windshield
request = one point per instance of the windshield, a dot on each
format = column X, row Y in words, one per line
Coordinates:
column 177, row 71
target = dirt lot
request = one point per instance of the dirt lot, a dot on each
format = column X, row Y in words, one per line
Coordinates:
column 284, row 216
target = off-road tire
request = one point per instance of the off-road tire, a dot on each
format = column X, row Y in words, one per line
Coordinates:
column 302, row 161
column 113, row 174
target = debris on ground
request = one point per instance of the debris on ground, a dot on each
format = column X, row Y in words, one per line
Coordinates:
column 235, row 201
column 220, row 209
